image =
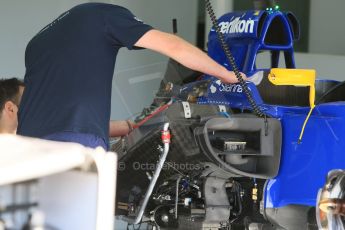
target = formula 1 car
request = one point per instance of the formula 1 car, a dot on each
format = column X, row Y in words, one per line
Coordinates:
column 252, row 155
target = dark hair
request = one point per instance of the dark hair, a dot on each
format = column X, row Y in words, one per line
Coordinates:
column 9, row 89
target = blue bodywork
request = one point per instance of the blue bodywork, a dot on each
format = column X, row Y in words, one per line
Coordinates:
column 303, row 166
column 249, row 32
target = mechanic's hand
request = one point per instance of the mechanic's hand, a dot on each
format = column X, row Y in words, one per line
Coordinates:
column 231, row 78
column 120, row 128
column 244, row 76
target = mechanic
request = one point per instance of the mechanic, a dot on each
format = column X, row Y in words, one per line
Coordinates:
column 11, row 91
column 70, row 65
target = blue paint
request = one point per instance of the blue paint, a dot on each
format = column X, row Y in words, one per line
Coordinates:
column 246, row 45
column 304, row 166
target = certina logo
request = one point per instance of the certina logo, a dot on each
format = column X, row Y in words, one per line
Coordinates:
column 237, row 26
column 221, row 87
column 138, row 19
column 54, row 22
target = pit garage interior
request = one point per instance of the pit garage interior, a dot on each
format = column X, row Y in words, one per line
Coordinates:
column 70, row 187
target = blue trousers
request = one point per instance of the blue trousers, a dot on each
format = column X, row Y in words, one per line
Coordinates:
column 86, row 139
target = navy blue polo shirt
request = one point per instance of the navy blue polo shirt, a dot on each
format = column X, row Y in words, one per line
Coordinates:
column 69, row 70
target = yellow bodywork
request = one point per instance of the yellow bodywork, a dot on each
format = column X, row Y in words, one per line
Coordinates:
column 296, row 77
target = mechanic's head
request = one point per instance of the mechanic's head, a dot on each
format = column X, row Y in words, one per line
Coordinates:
column 11, row 91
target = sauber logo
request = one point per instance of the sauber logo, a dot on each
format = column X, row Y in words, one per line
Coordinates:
column 221, row 87
column 237, row 26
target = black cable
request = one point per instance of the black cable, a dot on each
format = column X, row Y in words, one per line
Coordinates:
column 232, row 62
column 238, row 193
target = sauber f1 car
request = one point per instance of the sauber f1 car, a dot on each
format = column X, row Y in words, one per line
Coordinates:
column 252, row 155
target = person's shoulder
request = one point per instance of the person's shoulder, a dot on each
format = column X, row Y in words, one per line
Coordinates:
column 94, row 8
column 98, row 5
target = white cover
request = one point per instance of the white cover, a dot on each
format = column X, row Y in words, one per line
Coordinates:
column 24, row 158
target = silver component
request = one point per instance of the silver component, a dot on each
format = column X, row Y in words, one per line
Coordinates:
column 242, row 193
column 262, row 207
column 160, row 148
column 211, row 226
column 229, row 184
column 149, row 176
column 176, row 198
column 234, row 145
column 187, row 201
column 187, row 110
column 235, row 159
column 256, row 226
column 161, row 198
column 165, row 218
column 152, row 183
column 330, row 210
column 216, row 201
column 195, row 186
column 222, row 108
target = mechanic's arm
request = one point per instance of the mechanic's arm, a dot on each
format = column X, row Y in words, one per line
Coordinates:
column 120, row 128
column 185, row 53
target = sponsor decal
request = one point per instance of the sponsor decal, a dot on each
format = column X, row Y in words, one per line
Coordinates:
column 228, row 88
column 54, row 22
column 138, row 19
column 237, row 26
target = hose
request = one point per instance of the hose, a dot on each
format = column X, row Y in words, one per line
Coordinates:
column 166, row 137
column 232, row 62
column 176, row 198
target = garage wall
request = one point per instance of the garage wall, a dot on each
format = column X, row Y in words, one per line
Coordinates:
column 19, row 22
column 327, row 29
column 326, row 66
column 138, row 73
